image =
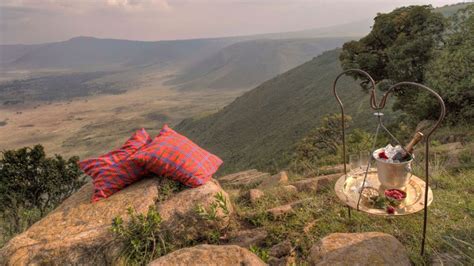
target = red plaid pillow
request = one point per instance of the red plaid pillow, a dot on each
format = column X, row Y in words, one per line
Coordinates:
column 112, row 172
column 175, row 156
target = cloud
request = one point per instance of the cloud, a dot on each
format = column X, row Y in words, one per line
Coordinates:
column 157, row 4
column 90, row 4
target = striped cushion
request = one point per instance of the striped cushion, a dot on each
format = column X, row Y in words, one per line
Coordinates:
column 175, row 156
column 113, row 171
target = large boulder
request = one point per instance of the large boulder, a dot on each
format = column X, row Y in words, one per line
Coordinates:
column 179, row 211
column 248, row 238
column 78, row 231
column 210, row 255
column 281, row 210
column 281, row 249
column 274, row 181
column 315, row 184
column 255, row 195
column 371, row 248
column 184, row 203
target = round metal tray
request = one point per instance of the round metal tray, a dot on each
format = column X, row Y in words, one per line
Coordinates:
column 347, row 189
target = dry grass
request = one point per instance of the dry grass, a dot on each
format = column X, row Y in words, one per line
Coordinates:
column 92, row 125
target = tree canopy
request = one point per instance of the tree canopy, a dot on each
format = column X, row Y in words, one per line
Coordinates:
column 451, row 72
column 398, row 48
column 31, row 184
column 399, row 45
column 416, row 44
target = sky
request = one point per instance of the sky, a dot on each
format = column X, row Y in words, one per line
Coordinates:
column 39, row 21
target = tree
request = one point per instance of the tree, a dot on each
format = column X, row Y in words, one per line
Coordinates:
column 398, row 48
column 322, row 145
column 31, row 184
column 359, row 140
column 451, row 72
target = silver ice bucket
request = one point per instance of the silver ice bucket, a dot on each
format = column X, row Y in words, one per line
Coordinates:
column 393, row 175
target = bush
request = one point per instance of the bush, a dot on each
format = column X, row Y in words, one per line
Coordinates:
column 168, row 188
column 323, row 145
column 32, row 184
column 147, row 237
column 142, row 237
column 215, row 216
column 260, row 252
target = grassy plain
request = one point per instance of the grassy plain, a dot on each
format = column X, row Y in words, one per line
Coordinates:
column 90, row 125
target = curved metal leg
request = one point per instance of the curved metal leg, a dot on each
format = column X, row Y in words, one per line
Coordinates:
column 425, row 210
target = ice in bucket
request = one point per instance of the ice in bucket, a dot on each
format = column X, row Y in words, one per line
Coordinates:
column 393, row 171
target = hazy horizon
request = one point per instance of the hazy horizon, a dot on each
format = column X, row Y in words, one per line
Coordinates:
column 41, row 21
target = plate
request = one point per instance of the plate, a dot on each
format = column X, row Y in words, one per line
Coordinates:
column 347, row 189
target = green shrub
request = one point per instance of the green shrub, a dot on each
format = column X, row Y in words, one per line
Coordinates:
column 220, row 202
column 167, row 188
column 211, row 216
column 465, row 157
column 260, row 252
column 32, row 184
column 323, row 145
column 142, row 236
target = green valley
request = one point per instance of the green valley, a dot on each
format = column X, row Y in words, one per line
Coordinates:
column 261, row 127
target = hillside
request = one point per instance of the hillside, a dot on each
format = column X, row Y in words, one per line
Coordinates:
column 353, row 29
column 449, row 10
column 260, row 128
column 87, row 52
column 249, row 63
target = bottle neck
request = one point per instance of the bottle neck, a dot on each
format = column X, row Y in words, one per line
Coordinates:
column 411, row 145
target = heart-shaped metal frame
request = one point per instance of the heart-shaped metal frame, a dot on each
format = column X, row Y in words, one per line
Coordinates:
column 379, row 105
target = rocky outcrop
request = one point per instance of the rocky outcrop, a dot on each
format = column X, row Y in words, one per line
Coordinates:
column 281, row 249
column 316, row 183
column 247, row 238
column 274, row 181
column 78, row 231
column 210, row 255
column 371, row 248
column 288, row 208
column 180, row 217
column 289, row 189
column 282, row 254
column 249, row 178
column 184, row 203
column 332, row 169
column 280, row 210
column 255, row 195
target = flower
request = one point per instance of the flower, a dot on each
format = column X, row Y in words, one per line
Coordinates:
column 390, row 209
column 395, row 194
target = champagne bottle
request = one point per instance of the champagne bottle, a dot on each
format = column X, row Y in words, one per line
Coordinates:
column 405, row 153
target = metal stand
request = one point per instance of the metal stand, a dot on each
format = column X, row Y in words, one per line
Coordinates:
column 378, row 106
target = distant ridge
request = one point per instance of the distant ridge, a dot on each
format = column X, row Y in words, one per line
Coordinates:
column 105, row 53
column 93, row 52
column 248, row 63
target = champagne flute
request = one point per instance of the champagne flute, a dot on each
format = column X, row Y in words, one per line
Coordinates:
column 354, row 163
column 364, row 160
